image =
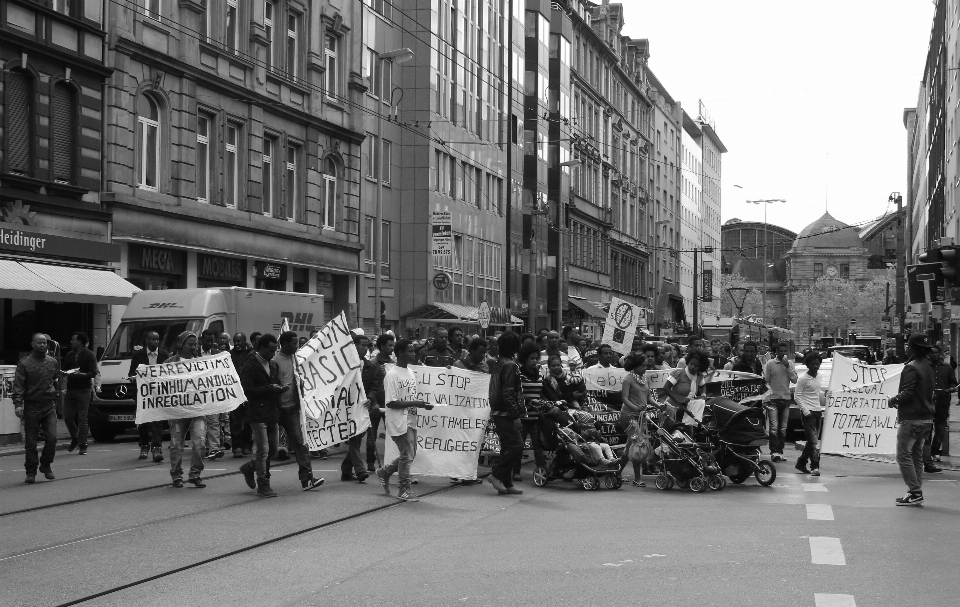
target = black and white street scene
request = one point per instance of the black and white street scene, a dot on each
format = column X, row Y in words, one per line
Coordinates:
column 310, row 303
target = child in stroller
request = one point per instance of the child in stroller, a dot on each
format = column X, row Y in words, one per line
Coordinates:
column 579, row 451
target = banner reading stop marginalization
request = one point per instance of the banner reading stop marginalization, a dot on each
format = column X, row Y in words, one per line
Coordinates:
column 331, row 392
column 450, row 435
column 188, row 388
column 858, row 418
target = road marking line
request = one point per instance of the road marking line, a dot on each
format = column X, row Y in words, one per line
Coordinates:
column 826, row 551
column 16, row 556
column 834, row 600
column 819, row 512
column 813, row 487
column 89, row 469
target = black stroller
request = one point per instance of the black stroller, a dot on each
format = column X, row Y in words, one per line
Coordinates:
column 683, row 461
column 571, row 459
column 737, row 433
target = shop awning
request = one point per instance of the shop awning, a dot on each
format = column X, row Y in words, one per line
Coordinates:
column 447, row 312
column 588, row 308
column 24, row 280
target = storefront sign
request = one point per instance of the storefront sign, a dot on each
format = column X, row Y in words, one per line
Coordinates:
column 270, row 271
column 157, row 259
column 441, row 223
column 221, row 268
column 483, row 314
column 26, row 239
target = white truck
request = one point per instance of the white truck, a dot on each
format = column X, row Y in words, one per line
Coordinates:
column 170, row 312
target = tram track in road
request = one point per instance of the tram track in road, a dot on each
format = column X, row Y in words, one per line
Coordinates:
column 394, row 503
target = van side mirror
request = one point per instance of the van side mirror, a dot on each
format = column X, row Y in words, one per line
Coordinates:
column 100, row 350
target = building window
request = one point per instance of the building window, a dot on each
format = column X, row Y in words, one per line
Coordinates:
column 233, row 27
column 387, row 161
column 151, row 8
column 205, row 19
column 203, row 158
column 845, row 271
column 330, row 195
column 64, row 6
column 818, row 270
column 293, row 47
column 380, row 73
column 64, row 132
column 231, row 169
column 291, row 184
column 373, row 156
column 268, row 9
column 330, row 48
column 18, row 106
column 148, row 143
column 269, row 146
column 381, row 6
column 371, row 239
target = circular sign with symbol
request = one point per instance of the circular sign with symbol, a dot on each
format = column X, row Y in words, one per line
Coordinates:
column 441, row 281
column 623, row 315
column 483, row 314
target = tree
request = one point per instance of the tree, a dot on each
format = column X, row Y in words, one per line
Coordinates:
column 831, row 303
column 752, row 302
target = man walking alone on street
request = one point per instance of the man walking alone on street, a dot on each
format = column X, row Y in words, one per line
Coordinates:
column 778, row 373
column 914, row 405
column 36, row 389
column 80, row 366
column 151, row 433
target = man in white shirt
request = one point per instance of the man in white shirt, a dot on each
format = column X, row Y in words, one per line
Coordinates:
column 400, row 392
column 809, row 398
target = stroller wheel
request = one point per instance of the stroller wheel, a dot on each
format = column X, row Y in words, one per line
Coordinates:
column 663, row 483
column 766, row 473
column 698, row 484
column 540, row 476
column 739, row 478
column 619, row 482
column 590, row 483
column 610, row 482
column 715, row 482
column 683, row 483
column 724, row 479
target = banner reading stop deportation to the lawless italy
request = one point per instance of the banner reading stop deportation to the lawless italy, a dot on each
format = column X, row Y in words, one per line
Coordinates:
column 331, row 391
column 858, row 418
column 450, row 435
column 188, row 388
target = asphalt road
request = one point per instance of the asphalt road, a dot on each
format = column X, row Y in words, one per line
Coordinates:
column 347, row 544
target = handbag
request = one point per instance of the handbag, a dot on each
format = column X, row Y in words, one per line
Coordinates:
column 639, row 450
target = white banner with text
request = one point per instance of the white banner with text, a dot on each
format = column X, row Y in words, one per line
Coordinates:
column 858, row 418
column 188, row 388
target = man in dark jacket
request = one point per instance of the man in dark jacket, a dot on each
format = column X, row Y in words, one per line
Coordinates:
column 151, row 433
column 260, row 379
column 945, row 384
column 240, row 433
column 440, row 354
column 914, row 404
column 82, row 365
column 373, row 374
column 748, row 363
column 36, row 389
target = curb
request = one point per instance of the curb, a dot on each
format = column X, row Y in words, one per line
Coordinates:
column 23, row 450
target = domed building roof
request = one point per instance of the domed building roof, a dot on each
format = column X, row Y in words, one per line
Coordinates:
column 828, row 233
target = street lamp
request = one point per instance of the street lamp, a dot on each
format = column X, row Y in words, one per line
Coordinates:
column 656, row 270
column 400, row 55
column 765, row 241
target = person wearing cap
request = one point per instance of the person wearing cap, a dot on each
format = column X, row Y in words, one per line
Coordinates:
column 915, row 409
column 186, row 348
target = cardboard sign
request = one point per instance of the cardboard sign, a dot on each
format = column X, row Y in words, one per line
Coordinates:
column 188, row 388
column 621, row 325
column 858, row 418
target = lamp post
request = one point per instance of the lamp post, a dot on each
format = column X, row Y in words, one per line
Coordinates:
column 765, row 240
column 401, row 55
column 656, row 271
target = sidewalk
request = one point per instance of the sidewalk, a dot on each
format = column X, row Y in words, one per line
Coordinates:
column 63, row 441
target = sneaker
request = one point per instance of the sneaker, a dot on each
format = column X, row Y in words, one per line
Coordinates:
column 931, row 469
column 408, row 496
column 197, row 482
column 322, row 454
column 910, row 499
column 178, row 483
column 414, row 481
column 937, row 458
column 217, row 454
column 157, row 455
column 83, row 449
column 47, row 473
column 384, row 480
column 73, row 445
column 249, row 475
column 362, row 477
column 347, row 477
column 31, row 478
column 144, row 452
column 639, row 484
column 311, row 483
column 814, row 472
column 802, row 468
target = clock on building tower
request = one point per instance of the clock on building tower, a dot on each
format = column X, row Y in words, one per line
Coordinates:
column 831, row 271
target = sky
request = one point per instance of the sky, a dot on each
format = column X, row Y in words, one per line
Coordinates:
column 807, row 96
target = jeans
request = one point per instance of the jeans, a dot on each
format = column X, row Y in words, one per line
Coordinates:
column 212, row 423
column 353, row 460
column 266, row 436
column 511, row 449
column 375, row 418
column 407, row 446
column 35, row 418
column 240, row 433
column 151, row 435
column 290, row 421
column 778, row 414
column 76, row 405
column 911, row 436
column 531, row 428
column 811, row 429
column 179, row 427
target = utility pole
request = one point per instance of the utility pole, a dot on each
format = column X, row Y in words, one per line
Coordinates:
column 696, row 295
column 901, row 270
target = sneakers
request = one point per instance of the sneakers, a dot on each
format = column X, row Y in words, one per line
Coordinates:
column 910, row 499
column 408, row 496
column 47, row 473
column 777, row 457
column 384, row 480
column 937, row 458
column 362, row 478
column 639, row 484
column 931, row 469
column 814, row 472
column 802, row 467
column 157, row 455
column 197, row 482
column 178, row 483
column 215, row 454
column 311, row 483
column 31, row 478
column 249, row 475
column 144, row 452
column 83, row 449
column 73, row 445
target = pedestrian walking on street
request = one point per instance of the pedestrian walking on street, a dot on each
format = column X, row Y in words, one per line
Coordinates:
column 506, row 409
column 373, row 374
column 261, row 383
column 80, row 367
column 945, row 384
column 241, row 435
column 779, row 373
column 186, row 348
column 635, row 395
column 289, row 413
column 810, row 399
column 351, row 469
column 400, row 391
column 210, row 346
column 151, row 433
column 36, row 390
column 915, row 409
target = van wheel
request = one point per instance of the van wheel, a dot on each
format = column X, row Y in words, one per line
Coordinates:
column 102, row 434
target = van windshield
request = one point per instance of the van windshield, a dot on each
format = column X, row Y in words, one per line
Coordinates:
column 130, row 335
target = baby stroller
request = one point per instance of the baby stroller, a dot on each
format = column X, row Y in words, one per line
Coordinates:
column 737, row 433
column 572, row 460
column 683, row 462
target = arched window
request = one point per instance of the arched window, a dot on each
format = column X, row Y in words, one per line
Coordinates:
column 148, row 142
column 64, row 132
column 330, row 194
column 18, row 108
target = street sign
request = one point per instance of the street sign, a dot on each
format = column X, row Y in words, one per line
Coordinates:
column 885, row 323
column 853, row 322
column 441, row 281
column 483, row 315
column 925, row 283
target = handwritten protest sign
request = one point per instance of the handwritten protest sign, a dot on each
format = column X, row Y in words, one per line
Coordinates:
column 188, row 388
column 450, row 435
column 331, row 390
column 621, row 325
column 858, row 418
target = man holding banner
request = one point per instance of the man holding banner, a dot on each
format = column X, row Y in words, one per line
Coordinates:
column 186, row 347
column 914, row 404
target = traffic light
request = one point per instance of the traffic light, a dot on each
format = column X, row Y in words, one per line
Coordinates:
column 948, row 256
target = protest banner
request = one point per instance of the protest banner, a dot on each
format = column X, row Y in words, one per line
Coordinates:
column 188, row 388
column 450, row 435
column 858, row 418
column 621, row 325
column 331, row 391
column 604, row 385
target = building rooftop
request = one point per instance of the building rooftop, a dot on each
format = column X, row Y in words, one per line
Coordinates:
column 827, row 233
